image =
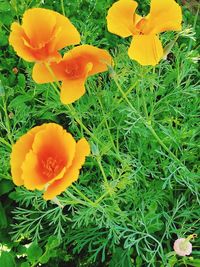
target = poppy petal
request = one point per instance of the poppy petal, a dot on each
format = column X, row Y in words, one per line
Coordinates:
column 72, row 90
column 41, row 74
column 121, row 18
column 17, row 39
column 82, row 150
column 19, row 151
column 99, row 58
column 59, row 186
column 63, row 148
column 37, row 172
column 31, row 176
column 65, row 33
column 164, row 16
column 38, row 24
column 146, row 49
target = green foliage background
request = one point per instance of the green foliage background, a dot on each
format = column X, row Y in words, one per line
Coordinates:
column 142, row 199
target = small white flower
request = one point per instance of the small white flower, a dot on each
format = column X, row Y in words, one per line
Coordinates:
column 182, row 247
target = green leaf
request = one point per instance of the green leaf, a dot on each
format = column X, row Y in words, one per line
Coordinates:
column 121, row 258
column 5, row 186
column 3, row 38
column 2, row 91
column 52, row 243
column 7, row 260
column 4, row 7
column 21, row 81
column 34, row 252
column 25, row 264
column 3, row 219
column 193, row 262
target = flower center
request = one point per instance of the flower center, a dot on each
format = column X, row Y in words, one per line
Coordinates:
column 140, row 26
column 75, row 69
column 51, row 167
column 184, row 245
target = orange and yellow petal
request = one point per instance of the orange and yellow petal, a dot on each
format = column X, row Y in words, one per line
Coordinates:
column 72, row 90
column 56, row 188
column 99, row 58
column 146, row 49
column 121, row 18
column 55, row 142
column 41, row 73
column 19, row 151
column 165, row 15
column 59, row 186
column 65, row 33
column 18, row 40
column 38, row 24
column 82, row 151
column 87, row 59
column 32, row 177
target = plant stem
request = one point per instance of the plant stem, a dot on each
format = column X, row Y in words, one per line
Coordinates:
column 57, row 202
column 62, row 6
column 83, row 196
column 144, row 104
column 103, row 173
column 107, row 126
column 7, row 121
column 5, row 143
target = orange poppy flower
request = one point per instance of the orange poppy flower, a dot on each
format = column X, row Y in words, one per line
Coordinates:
column 43, row 32
column 146, row 48
column 73, row 70
column 47, row 158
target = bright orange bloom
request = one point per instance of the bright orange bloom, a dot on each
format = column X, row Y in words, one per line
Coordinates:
column 146, row 48
column 43, row 32
column 47, row 158
column 73, row 70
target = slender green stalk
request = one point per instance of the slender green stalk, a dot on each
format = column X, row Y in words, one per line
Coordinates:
column 63, row 8
column 108, row 129
column 7, row 121
column 101, row 198
column 5, row 143
column 57, row 202
column 144, row 104
column 82, row 195
column 103, row 173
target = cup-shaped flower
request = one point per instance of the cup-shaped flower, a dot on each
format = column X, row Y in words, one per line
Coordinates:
column 47, row 158
column 145, row 48
column 73, row 70
column 182, row 247
column 42, row 33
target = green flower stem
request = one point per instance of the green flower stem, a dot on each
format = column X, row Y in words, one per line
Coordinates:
column 101, row 198
column 5, row 143
column 57, row 202
column 146, row 123
column 7, row 122
column 108, row 191
column 144, row 104
column 107, row 126
column 62, row 7
column 82, row 195
column 103, row 173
